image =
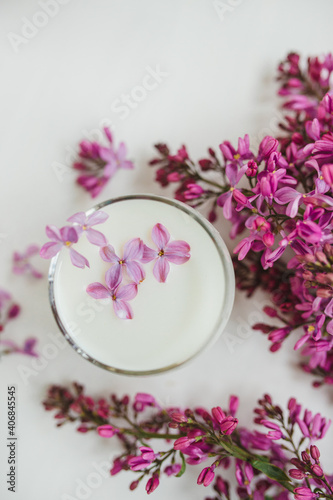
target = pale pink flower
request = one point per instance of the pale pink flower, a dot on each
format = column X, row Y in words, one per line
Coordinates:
column 63, row 238
column 176, row 252
column 84, row 223
column 133, row 252
column 120, row 295
column 22, row 264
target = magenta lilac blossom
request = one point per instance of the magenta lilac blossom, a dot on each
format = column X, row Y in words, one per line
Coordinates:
column 97, row 163
column 279, row 196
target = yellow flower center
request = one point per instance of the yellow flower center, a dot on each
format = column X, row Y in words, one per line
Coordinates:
column 84, row 228
column 237, row 156
column 161, row 253
column 68, row 243
column 311, row 329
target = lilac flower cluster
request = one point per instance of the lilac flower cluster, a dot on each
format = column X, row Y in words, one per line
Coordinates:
column 97, row 163
column 10, row 310
column 280, row 460
column 135, row 254
column 281, row 196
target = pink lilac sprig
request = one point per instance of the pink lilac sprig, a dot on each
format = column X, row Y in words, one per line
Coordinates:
column 10, row 310
column 280, row 460
column 98, row 163
column 67, row 236
column 280, row 196
column 22, row 264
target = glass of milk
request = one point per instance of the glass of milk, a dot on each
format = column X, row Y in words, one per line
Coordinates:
column 173, row 321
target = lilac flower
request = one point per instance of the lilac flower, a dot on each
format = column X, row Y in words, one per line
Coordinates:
column 291, row 196
column 84, row 223
column 133, row 253
column 142, row 400
column 172, row 470
column 176, row 252
column 141, row 462
column 21, row 264
column 94, row 185
column 313, row 427
column 28, row 347
column 100, row 163
column 115, row 160
column 63, row 238
column 120, row 295
column 233, row 175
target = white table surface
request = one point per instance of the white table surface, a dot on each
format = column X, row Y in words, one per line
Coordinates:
column 62, row 84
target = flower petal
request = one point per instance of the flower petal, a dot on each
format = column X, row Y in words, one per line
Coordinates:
column 135, row 271
column 161, row 269
column 79, row 218
column 177, row 252
column 31, row 250
column 114, row 276
column 98, row 291
column 122, row 309
column 148, row 254
column 107, row 253
column 133, row 249
column 96, row 237
column 69, row 233
column 160, row 236
column 77, row 259
column 97, row 217
column 50, row 249
column 53, row 233
column 127, row 292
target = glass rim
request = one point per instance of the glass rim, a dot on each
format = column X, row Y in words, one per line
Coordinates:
column 228, row 299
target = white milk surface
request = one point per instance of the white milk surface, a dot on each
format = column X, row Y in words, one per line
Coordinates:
column 172, row 321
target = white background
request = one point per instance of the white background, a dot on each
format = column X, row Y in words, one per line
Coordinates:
column 61, row 85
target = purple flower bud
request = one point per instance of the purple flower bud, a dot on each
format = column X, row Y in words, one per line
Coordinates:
column 272, row 313
column 297, row 474
column 206, row 476
column 252, row 168
column 305, row 457
column 106, row 431
column 152, row 484
column 178, row 417
column 134, row 485
column 218, row 414
column 228, row 425
column 303, row 493
column 317, row 470
column 233, row 405
column 183, row 442
column 315, row 453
